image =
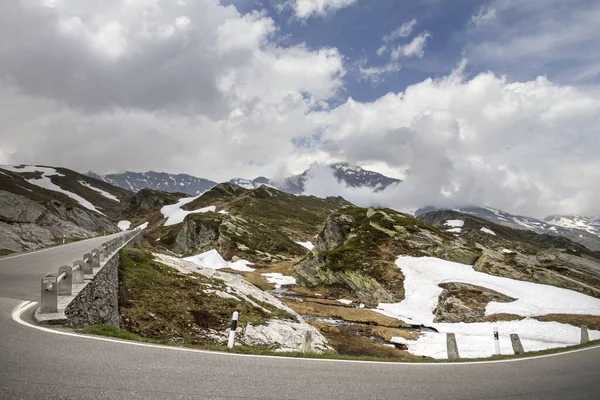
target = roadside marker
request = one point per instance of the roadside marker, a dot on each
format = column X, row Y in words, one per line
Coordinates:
column 496, row 340
column 234, row 321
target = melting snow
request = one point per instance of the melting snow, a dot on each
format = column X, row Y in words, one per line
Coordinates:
column 279, row 279
column 45, row 183
column 486, row 230
column 455, row 223
column 307, row 245
column 213, row 260
column 124, row 225
column 102, row 192
column 344, row 301
column 142, row 226
column 175, row 215
column 421, row 284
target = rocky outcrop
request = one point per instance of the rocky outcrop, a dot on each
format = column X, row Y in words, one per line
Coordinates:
column 148, row 199
column 313, row 273
column 27, row 225
column 461, row 302
column 314, row 270
column 196, row 236
column 336, row 231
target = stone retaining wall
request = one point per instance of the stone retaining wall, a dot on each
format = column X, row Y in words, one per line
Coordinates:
column 98, row 301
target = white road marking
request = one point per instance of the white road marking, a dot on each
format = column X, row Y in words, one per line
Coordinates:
column 20, row 309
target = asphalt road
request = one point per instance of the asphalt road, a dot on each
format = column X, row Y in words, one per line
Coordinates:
column 36, row 364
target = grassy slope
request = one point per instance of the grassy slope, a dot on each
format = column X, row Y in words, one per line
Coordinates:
column 160, row 303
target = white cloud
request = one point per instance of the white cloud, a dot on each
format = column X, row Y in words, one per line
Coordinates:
column 374, row 74
column 484, row 16
column 307, row 8
column 517, row 146
column 402, row 31
column 416, row 47
column 216, row 95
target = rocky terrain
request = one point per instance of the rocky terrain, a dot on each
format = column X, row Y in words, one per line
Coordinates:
column 583, row 230
column 294, row 266
column 174, row 183
column 42, row 206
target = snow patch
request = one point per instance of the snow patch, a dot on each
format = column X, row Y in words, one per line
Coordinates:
column 486, row 230
column 213, row 260
column 124, row 225
column 279, row 279
column 45, row 183
column 421, row 284
column 477, row 339
column 175, row 215
column 102, row 192
column 142, row 226
column 344, row 301
column 455, row 223
column 307, row 245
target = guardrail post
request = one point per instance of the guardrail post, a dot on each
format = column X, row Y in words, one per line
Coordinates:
column 87, row 262
column 95, row 258
column 78, row 271
column 452, row 346
column 49, row 297
column 65, row 282
column 585, row 336
column 516, row 344
column 307, row 344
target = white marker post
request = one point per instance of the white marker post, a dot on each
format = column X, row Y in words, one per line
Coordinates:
column 496, row 340
column 234, row 321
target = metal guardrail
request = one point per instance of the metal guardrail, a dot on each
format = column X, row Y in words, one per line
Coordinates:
column 61, row 284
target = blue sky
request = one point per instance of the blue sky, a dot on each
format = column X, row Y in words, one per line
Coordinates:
column 357, row 31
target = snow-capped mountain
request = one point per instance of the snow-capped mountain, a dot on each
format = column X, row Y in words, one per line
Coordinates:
column 350, row 175
column 583, row 230
column 357, row 177
column 589, row 224
column 136, row 181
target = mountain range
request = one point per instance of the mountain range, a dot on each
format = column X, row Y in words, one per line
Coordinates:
column 352, row 176
column 584, row 230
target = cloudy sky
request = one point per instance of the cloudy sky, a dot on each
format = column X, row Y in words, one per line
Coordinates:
column 471, row 102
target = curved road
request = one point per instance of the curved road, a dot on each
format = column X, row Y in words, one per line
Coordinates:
column 41, row 364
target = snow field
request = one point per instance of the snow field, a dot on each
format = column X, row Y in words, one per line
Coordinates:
column 422, row 278
column 45, row 183
column 476, row 340
column 455, row 225
column 175, row 215
column 102, row 192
